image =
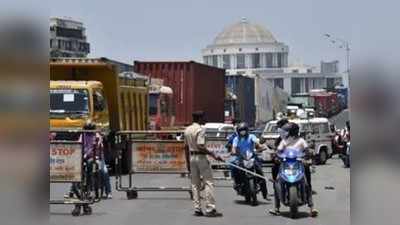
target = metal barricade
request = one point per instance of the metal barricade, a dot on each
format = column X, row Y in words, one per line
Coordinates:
column 151, row 152
column 67, row 165
column 216, row 141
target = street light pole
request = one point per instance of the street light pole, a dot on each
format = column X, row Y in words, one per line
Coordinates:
column 344, row 45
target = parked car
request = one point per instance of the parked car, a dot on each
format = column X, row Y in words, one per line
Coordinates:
column 315, row 131
column 218, row 129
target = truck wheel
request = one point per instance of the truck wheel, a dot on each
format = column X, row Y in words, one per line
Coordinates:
column 132, row 194
column 322, row 157
column 76, row 211
column 87, row 210
column 293, row 202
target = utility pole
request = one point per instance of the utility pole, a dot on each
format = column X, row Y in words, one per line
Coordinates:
column 343, row 44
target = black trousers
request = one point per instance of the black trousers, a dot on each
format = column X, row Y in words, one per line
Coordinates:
column 275, row 169
column 307, row 172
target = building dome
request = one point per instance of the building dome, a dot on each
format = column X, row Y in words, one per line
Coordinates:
column 244, row 32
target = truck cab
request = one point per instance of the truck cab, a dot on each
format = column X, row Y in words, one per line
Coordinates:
column 161, row 106
column 72, row 103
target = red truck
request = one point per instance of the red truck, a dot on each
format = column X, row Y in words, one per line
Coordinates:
column 195, row 87
column 326, row 103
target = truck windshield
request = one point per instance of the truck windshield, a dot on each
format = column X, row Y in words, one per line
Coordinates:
column 153, row 104
column 69, row 101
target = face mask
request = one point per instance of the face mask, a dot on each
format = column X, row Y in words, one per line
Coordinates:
column 243, row 133
column 282, row 133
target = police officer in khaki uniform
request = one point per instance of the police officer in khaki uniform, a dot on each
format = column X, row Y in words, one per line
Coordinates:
column 200, row 166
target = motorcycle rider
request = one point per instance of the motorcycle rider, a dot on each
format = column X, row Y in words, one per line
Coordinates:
column 292, row 139
column 245, row 141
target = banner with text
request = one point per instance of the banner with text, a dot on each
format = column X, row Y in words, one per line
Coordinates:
column 159, row 157
column 65, row 162
column 217, row 146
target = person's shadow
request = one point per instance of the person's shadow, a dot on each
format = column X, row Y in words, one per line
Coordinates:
column 300, row 215
column 243, row 202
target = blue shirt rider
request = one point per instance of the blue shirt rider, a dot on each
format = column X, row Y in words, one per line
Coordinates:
column 247, row 142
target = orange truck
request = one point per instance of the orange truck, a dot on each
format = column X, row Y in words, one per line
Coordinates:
column 84, row 90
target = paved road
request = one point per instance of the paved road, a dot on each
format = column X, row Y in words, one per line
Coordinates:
column 176, row 208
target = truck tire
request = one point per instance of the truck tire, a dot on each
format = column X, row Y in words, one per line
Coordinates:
column 322, row 157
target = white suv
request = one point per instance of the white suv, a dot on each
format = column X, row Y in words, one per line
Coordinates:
column 314, row 130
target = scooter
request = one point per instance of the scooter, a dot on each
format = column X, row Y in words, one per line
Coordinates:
column 248, row 185
column 291, row 187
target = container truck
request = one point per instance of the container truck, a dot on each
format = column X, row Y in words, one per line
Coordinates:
column 195, row 87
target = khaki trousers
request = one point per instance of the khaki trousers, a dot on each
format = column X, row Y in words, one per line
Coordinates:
column 201, row 172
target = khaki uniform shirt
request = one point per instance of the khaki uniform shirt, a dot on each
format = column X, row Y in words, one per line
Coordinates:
column 194, row 136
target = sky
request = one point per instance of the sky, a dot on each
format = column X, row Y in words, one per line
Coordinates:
column 128, row 30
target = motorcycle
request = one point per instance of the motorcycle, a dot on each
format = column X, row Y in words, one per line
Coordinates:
column 291, row 188
column 346, row 156
column 248, row 185
column 338, row 144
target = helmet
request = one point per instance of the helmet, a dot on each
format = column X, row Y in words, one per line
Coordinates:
column 242, row 127
column 282, row 122
column 292, row 129
column 89, row 125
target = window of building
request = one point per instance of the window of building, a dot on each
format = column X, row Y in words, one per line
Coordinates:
column 280, row 60
column 299, row 85
column 240, row 59
column 295, row 71
column 226, row 59
column 278, row 82
column 205, row 60
column 316, row 83
column 240, row 49
column 309, row 70
column 268, row 60
column 215, row 60
column 208, row 60
column 330, row 83
column 255, row 58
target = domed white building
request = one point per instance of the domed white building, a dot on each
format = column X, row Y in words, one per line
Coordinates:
column 245, row 48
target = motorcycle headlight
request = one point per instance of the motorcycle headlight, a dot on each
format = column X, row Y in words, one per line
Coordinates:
column 289, row 172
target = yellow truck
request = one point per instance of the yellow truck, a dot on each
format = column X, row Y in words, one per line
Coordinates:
column 84, row 89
